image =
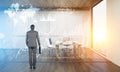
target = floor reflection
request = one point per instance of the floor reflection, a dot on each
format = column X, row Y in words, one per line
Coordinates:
column 16, row 60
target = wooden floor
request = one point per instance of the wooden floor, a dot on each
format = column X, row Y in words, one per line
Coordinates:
column 13, row 60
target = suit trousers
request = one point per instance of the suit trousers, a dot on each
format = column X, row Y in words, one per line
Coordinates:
column 32, row 56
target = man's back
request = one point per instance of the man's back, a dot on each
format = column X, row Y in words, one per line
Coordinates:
column 32, row 37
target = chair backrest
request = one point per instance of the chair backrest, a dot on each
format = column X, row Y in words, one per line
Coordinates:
column 50, row 41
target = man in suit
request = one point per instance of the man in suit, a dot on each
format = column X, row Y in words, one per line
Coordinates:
column 32, row 40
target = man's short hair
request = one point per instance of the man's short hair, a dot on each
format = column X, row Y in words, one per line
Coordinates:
column 32, row 25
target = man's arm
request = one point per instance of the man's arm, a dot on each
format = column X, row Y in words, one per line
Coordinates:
column 27, row 39
column 38, row 40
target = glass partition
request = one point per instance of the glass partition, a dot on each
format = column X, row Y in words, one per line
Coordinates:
column 59, row 26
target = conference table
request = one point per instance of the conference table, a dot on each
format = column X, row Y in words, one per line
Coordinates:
column 71, row 49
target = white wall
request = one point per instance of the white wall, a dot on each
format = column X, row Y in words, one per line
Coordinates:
column 59, row 24
column 113, row 28
column 110, row 46
column 99, row 27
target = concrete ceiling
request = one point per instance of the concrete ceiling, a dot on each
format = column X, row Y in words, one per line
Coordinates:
column 53, row 4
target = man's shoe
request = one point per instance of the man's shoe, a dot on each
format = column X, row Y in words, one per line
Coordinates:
column 30, row 67
column 34, row 67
